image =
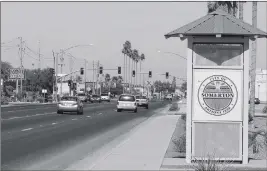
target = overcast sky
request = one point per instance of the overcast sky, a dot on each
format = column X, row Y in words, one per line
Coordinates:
column 107, row 25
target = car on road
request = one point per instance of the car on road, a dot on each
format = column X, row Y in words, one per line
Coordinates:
column 256, row 101
column 168, row 97
column 82, row 97
column 105, row 97
column 142, row 101
column 126, row 102
column 95, row 98
column 70, row 104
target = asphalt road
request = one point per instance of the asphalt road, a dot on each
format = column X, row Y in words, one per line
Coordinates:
column 36, row 137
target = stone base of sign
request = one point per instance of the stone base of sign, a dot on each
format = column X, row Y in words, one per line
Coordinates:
column 180, row 164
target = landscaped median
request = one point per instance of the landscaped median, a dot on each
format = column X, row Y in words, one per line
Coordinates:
column 10, row 104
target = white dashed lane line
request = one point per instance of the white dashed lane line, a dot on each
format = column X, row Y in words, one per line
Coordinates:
column 28, row 116
column 88, row 116
column 27, row 129
column 27, row 109
column 99, row 114
column 54, row 123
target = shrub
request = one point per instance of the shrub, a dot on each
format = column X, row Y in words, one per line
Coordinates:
column 209, row 163
column 174, row 107
column 264, row 110
column 180, row 144
column 4, row 100
column 183, row 117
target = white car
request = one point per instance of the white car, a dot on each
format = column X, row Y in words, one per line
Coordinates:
column 105, row 97
column 127, row 102
column 142, row 101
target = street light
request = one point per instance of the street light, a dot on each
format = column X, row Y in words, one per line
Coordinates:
column 173, row 54
column 64, row 50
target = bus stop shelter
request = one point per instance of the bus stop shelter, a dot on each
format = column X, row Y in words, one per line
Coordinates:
column 218, row 55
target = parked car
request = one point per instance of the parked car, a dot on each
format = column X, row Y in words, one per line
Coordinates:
column 105, row 97
column 95, row 98
column 70, row 104
column 82, row 97
column 126, row 102
column 142, row 101
column 256, row 101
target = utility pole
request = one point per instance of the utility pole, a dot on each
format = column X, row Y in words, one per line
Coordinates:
column 56, row 71
column 93, row 77
column 97, row 76
column 21, row 64
column 54, row 61
column 61, row 64
column 85, row 75
column 70, row 66
column 39, row 54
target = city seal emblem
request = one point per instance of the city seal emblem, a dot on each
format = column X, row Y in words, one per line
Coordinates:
column 217, row 95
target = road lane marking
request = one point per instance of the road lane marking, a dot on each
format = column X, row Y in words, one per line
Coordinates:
column 74, row 119
column 28, row 116
column 27, row 129
column 88, row 116
column 54, row 123
column 100, row 114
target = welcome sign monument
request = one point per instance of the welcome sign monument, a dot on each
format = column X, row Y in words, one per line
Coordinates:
column 217, row 86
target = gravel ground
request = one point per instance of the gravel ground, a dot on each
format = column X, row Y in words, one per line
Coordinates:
column 172, row 151
column 259, row 123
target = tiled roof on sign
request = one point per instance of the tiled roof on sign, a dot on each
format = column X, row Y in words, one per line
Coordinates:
column 217, row 22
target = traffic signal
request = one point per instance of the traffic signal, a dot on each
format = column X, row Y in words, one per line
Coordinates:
column 52, row 70
column 74, row 86
column 150, row 74
column 133, row 73
column 100, row 70
column 81, row 71
column 167, row 75
column 69, row 82
column 119, row 70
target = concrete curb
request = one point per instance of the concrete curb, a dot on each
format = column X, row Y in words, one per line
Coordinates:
column 260, row 114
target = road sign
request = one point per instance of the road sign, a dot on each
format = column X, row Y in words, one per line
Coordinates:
column 16, row 73
column 44, row 91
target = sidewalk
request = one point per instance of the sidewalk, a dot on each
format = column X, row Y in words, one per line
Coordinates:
column 144, row 149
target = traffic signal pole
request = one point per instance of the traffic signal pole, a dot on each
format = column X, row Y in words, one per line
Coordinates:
column 85, row 76
column 54, row 75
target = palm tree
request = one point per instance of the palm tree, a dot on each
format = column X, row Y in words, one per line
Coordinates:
column 130, row 55
column 142, row 58
column 124, row 51
column 227, row 6
column 136, row 67
column 135, row 56
column 128, row 47
column 253, row 64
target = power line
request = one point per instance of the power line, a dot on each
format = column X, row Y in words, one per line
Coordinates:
column 9, row 41
column 33, row 51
